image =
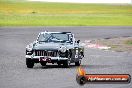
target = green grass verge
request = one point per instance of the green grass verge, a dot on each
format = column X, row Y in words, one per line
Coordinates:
column 15, row 13
column 129, row 42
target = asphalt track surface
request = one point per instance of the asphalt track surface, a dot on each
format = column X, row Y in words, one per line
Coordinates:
column 15, row 74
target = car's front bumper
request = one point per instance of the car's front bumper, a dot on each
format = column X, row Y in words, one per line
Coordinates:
column 51, row 58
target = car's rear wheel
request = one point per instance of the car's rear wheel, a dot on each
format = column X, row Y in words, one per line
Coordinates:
column 29, row 63
column 78, row 63
column 43, row 63
column 66, row 63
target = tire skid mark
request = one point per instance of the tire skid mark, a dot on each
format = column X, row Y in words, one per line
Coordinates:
column 89, row 44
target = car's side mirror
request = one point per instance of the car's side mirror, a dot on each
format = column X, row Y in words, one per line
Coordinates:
column 78, row 41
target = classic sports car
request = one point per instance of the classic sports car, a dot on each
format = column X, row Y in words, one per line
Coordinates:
column 54, row 47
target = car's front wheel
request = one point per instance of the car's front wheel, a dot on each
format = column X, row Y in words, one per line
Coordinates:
column 78, row 63
column 66, row 63
column 29, row 63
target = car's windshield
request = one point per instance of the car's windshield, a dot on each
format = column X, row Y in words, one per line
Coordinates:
column 54, row 37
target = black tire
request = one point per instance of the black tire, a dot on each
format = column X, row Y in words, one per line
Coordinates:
column 59, row 64
column 78, row 63
column 43, row 63
column 29, row 63
column 66, row 63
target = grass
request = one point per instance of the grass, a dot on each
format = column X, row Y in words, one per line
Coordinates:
column 16, row 13
column 129, row 42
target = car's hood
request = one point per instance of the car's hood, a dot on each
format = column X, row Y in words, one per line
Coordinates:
column 51, row 46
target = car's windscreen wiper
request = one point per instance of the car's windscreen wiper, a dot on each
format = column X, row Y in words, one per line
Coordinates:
column 56, row 39
column 42, row 41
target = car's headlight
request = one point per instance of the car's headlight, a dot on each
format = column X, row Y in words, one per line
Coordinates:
column 63, row 49
column 29, row 47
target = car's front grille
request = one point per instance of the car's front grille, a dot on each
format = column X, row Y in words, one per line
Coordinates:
column 46, row 53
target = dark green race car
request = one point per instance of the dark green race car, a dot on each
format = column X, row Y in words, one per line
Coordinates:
column 54, row 47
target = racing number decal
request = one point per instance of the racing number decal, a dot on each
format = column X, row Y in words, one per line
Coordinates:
column 76, row 56
column 76, row 53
